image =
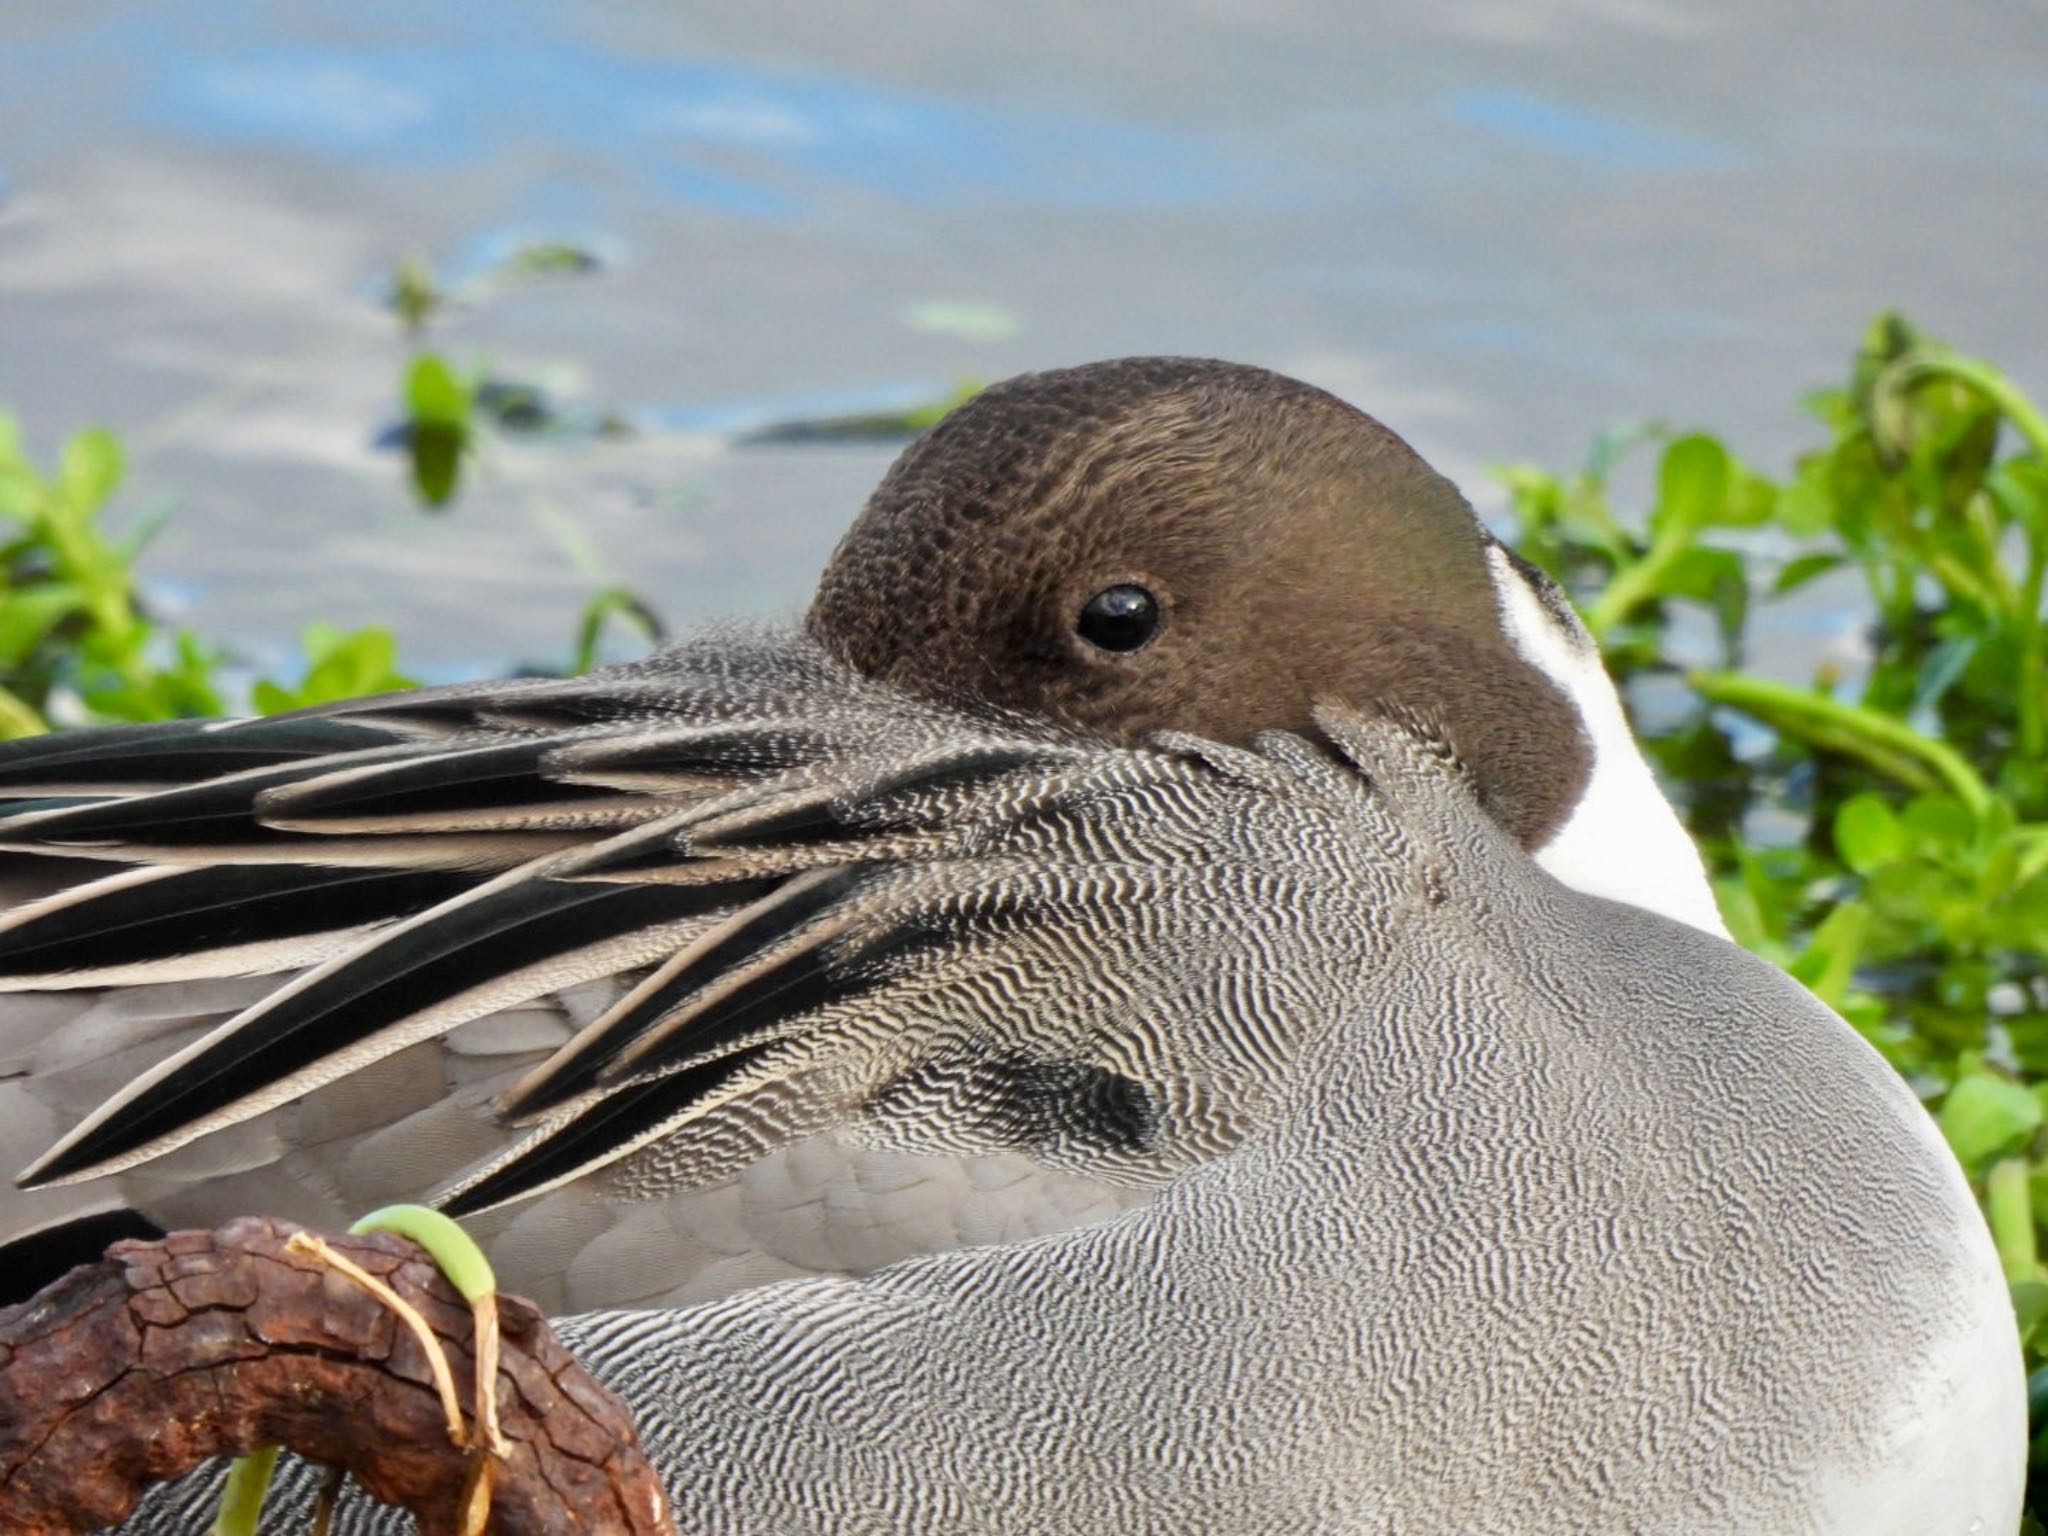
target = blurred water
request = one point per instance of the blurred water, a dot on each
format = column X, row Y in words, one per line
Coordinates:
column 1499, row 224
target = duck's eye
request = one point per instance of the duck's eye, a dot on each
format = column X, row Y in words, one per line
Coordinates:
column 1119, row 618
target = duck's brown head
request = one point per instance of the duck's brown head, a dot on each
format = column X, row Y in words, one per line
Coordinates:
column 1171, row 543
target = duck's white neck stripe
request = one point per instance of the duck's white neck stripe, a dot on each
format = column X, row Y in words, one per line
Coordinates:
column 1622, row 839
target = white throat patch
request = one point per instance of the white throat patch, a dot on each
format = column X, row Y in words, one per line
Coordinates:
column 1622, row 839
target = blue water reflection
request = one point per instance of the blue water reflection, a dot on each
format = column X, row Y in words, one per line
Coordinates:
column 739, row 139
column 1601, row 141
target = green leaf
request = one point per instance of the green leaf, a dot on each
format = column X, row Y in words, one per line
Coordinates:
column 1829, row 964
column 1937, row 825
column 1797, row 573
column 435, row 454
column 2029, row 1306
column 340, row 665
column 270, row 698
column 1806, row 506
column 543, row 257
column 434, row 393
column 1940, row 670
column 1744, row 916
column 1715, row 577
column 414, row 295
column 1984, row 1116
column 1701, row 573
column 1999, row 874
column 320, row 640
column 28, row 614
column 1692, row 484
column 438, row 430
column 1868, row 835
column 89, row 470
column 1752, row 499
column 2037, row 1193
column 2022, row 486
column 2011, row 1216
column 629, row 607
column 17, row 719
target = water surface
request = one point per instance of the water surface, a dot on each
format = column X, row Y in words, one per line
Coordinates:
column 1498, row 224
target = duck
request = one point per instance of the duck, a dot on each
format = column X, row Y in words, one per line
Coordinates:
column 1171, row 1001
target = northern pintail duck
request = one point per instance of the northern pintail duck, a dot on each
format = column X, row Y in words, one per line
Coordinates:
column 1178, row 970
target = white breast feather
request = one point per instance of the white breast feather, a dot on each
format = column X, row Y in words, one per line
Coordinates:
column 1622, row 840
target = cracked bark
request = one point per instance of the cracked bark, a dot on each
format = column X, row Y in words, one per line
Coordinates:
column 137, row 1368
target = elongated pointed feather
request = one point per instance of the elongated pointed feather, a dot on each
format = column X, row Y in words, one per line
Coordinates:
column 215, row 812
column 127, row 759
column 174, row 924
column 747, row 988
column 576, row 1068
column 651, row 759
column 839, row 959
column 34, row 805
column 795, row 816
column 612, row 1126
column 768, row 962
column 483, row 788
column 504, row 944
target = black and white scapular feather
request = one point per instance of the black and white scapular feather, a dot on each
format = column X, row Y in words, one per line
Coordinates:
column 622, row 935
column 1025, row 1076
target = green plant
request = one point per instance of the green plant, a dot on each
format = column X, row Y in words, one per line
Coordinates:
column 1879, row 826
column 79, row 644
column 625, row 606
column 444, row 409
column 340, row 664
column 415, row 295
column 72, row 628
column 897, row 425
column 439, row 429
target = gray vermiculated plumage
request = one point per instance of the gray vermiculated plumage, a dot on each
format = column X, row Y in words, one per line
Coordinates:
column 1543, row 1240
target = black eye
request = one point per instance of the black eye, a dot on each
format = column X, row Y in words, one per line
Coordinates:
column 1119, row 618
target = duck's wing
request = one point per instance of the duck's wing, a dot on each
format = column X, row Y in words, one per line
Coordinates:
column 671, row 920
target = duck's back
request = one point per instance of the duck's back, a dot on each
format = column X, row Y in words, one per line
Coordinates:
column 1572, row 1219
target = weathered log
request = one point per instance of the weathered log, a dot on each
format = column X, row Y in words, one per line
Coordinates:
column 163, row 1354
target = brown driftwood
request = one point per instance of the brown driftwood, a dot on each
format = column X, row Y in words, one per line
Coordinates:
column 141, row 1366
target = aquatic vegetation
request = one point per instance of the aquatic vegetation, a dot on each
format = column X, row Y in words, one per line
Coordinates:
column 81, row 645
column 76, row 640
column 1874, row 809
column 340, row 664
column 445, row 406
column 884, row 426
column 439, row 430
column 1881, row 825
